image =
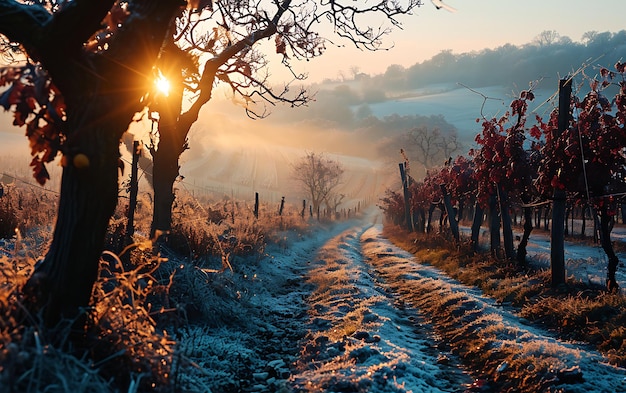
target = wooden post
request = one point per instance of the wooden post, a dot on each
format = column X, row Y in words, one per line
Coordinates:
column 134, row 188
column 256, row 205
column 303, row 208
column 557, row 246
column 407, row 197
column 282, row 206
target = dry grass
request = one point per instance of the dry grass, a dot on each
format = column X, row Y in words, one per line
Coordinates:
column 125, row 346
column 579, row 311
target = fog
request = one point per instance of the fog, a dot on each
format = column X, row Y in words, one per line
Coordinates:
column 363, row 120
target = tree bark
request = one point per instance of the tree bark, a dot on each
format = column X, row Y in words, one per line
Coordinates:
column 494, row 225
column 476, row 223
column 429, row 222
column 62, row 284
column 528, row 228
column 607, row 246
column 454, row 225
column 165, row 169
column 507, row 230
column 102, row 94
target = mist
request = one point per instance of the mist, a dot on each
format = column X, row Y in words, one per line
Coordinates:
column 364, row 120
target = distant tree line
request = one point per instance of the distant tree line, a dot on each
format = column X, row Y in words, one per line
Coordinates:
column 548, row 55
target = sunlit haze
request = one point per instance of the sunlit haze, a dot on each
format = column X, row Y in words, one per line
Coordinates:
column 231, row 152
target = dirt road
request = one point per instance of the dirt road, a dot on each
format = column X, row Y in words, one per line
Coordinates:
column 341, row 309
column 381, row 321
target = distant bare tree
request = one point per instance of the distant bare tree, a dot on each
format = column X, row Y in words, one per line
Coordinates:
column 589, row 36
column 333, row 200
column 546, row 37
column 319, row 176
column 431, row 147
column 449, row 144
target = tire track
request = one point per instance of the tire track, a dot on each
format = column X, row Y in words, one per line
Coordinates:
column 359, row 338
column 505, row 352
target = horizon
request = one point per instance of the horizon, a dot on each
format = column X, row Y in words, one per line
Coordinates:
column 466, row 31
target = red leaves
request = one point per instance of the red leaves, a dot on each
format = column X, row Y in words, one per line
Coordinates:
column 111, row 23
column 535, row 132
column 38, row 105
column 281, row 46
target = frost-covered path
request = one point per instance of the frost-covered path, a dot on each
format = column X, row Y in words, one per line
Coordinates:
column 506, row 353
column 360, row 338
column 341, row 309
column 367, row 331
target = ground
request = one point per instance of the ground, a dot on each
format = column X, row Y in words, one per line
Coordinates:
column 341, row 309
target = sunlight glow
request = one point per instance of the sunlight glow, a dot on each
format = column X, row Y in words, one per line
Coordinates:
column 162, row 85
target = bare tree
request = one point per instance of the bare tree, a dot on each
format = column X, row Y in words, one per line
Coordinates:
column 319, row 177
column 449, row 144
column 546, row 38
column 333, row 200
column 88, row 71
column 215, row 42
column 431, row 147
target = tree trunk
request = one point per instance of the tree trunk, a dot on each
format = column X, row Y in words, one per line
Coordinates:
column 567, row 217
column 102, row 94
column 429, row 223
column 494, row 225
column 454, row 225
column 172, row 143
column 607, row 246
column 476, row 223
column 62, row 284
column 507, row 230
column 528, row 228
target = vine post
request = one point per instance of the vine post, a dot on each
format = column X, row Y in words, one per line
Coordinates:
column 407, row 197
column 134, row 189
column 557, row 246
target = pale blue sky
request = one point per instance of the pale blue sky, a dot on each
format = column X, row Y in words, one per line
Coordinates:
column 477, row 24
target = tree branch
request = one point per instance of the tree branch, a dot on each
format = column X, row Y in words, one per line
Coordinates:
column 23, row 23
column 63, row 30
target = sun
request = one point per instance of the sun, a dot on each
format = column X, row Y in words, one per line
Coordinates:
column 162, row 85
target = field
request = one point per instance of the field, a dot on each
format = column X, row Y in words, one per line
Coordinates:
column 292, row 305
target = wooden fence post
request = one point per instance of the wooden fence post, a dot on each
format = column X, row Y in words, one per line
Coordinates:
column 282, row 206
column 134, row 188
column 557, row 246
column 407, row 206
column 256, row 205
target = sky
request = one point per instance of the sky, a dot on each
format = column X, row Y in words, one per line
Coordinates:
column 476, row 25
